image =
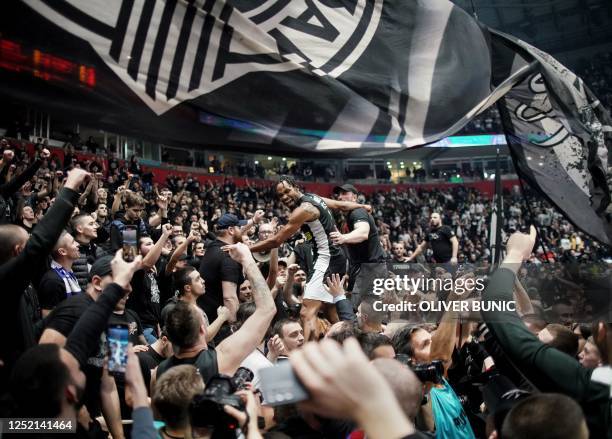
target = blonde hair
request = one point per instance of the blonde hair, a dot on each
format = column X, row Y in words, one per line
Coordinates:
column 173, row 394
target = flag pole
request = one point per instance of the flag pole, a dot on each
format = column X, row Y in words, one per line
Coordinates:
column 498, row 220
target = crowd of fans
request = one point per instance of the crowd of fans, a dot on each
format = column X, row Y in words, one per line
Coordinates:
column 197, row 303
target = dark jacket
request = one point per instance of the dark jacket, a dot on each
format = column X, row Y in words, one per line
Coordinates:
column 88, row 254
column 547, row 368
column 17, row 273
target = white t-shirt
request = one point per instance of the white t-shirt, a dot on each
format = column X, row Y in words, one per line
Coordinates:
column 255, row 361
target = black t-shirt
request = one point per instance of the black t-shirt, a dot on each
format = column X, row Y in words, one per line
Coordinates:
column 304, row 257
column 164, row 281
column 144, row 298
column 205, row 361
column 369, row 250
column 149, row 360
column 439, row 240
column 132, row 321
column 216, row 267
column 66, row 314
column 51, row 290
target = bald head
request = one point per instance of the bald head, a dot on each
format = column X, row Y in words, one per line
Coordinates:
column 406, row 386
column 12, row 240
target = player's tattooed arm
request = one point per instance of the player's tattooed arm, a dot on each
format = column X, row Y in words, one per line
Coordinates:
column 311, row 211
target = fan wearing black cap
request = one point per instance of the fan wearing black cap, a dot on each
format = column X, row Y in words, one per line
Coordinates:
column 363, row 245
column 221, row 273
column 311, row 214
column 101, row 392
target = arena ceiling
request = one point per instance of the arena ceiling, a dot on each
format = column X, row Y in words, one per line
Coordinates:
column 553, row 26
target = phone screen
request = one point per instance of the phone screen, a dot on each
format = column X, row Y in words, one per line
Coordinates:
column 130, row 243
column 280, row 386
column 117, row 338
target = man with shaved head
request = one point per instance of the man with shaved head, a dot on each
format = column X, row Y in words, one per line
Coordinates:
column 60, row 282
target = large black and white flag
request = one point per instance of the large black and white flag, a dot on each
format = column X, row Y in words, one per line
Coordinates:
column 352, row 77
column 559, row 135
column 311, row 75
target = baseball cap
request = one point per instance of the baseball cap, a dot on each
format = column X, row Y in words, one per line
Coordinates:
column 101, row 267
column 346, row 188
column 230, row 220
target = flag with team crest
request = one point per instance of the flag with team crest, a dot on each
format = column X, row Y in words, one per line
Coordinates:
column 341, row 77
column 559, row 135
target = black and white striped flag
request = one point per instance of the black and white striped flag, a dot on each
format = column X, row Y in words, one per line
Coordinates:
column 352, row 77
column 317, row 75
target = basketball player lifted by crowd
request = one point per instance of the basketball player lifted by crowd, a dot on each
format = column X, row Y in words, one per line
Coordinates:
column 311, row 214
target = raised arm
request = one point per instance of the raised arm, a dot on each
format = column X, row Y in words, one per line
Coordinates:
column 44, row 236
column 273, row 271
column 304, row 213
column 161, row 214
column 223, row 315
column 335, row 286
column 345, row 206
column 553, row 370
column 117, row 200
column 444, row 338
column 180, row 250
column 523, row 302
column 151, row 258
column 84, row 338
column 14, row 184
column 234, row 349
column 288, row 296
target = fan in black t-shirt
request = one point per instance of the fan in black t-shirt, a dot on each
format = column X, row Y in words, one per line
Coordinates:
column 222, row 274
column 145, row 296
column 442, row 241
column 363, row 246
column 362, row 240
column 62, row 320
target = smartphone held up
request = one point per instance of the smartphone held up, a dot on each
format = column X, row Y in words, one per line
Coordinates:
column 130, row 243
column 117, row 337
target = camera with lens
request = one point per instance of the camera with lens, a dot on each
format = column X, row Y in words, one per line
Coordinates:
column 426, row 372
column 206, row 409
column 429, row 372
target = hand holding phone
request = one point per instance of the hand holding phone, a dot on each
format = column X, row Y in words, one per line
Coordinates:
column 117, row 337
